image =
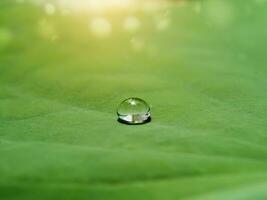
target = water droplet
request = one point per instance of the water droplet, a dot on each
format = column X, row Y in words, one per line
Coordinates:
column 134, row 111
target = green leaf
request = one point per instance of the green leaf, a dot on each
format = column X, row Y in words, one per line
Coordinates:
column 200, row 64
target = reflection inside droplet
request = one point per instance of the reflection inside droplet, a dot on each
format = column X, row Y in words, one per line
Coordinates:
column 133, row 111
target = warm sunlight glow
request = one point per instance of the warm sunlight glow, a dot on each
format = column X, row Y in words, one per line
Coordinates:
column 100, row 27
column 97, row 5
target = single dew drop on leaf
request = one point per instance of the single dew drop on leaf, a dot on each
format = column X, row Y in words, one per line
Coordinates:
column 133, row 111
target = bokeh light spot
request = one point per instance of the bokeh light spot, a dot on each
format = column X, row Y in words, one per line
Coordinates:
column 97, row 5
column 47, row 30
column 50, row 8
column 5, row 37
column 131, row 24
column 100, row 27
column 162, row 24
column 197, row 7
column 219, row 12
column 137, row 44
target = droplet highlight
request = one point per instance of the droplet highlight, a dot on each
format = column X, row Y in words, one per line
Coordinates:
column 134, row 111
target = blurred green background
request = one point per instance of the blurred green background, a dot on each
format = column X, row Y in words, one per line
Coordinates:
column 65, row 66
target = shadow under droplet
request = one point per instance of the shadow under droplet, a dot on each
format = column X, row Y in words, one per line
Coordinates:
column 149, row 119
